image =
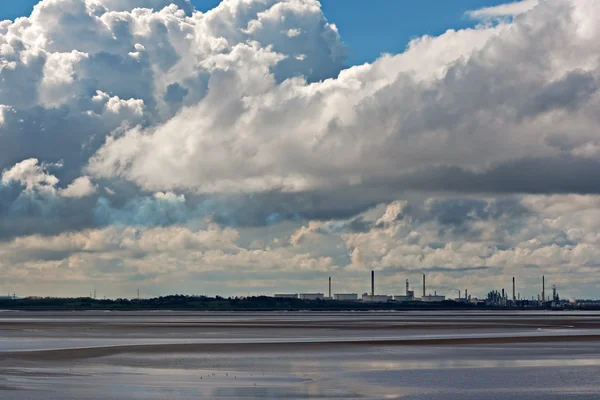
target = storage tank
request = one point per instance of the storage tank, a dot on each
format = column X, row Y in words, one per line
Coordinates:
column 378, row 298
column 311, row 296
column 345, row 296
column 433, row 299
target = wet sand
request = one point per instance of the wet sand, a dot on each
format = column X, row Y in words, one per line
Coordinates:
column 405, row 355
column 287, row 347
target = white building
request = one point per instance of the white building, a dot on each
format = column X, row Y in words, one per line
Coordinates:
column 345, row 297
column 378, row 298
column 286, row 295
column 311, row 296
column 433, row 298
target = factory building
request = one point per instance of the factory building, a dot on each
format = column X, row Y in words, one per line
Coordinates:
column 345, row 296
column 433, row 298
column 377, row 298
column 311, row 296
column 286, row 295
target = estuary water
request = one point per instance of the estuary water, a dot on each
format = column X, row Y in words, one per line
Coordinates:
column 299, row 355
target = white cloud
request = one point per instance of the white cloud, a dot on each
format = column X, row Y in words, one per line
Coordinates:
column 31, row 175
column 156, row 5
column 3, row 110
column 447, row 102
column 35, row 178
column 59, row 78
column 293, row 32
column 145, row 64
column 81, row 187
column 503, row 10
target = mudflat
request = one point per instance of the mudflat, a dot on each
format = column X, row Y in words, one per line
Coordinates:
column 299, row 355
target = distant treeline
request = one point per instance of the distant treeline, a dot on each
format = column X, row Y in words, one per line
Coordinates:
column 257, row 303
column 204, row 303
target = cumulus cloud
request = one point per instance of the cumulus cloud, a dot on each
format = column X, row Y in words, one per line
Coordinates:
column 124, row 255
column 76, row 70
column 34, row 177
column 458, row 111
column 80, row 187
column 458, row 242
column 162, row 96
column 31, row 175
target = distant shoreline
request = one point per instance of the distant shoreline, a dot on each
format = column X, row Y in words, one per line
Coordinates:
column 249, row 304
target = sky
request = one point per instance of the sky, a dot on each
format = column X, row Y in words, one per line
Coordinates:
column 261, row 146
column 385, row 26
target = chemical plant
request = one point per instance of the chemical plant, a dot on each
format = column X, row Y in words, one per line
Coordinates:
column 500, row 299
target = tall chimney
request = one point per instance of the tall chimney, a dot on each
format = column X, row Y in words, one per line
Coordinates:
column 514, row 297
column 466, row 294
column 407, row 287
column 424, row 285
column 543, row 288
column 330, row 287
column 372, row 283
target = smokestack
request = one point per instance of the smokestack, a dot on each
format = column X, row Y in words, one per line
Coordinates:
column 514, row 297
column 424, row 285
column 543, row 288
column 466, row 294
column 407, row 287
column 372, row 283
column 330, row 287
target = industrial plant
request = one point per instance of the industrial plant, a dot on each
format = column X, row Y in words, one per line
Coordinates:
column 500, row 299
column 371, row 299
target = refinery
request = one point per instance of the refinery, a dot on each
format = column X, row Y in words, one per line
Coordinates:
column 423, row 299
column 494, row 298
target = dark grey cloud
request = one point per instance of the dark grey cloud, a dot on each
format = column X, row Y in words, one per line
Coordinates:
column 23, row 214
column 34, row 133
column 544, row 175
column 45, row 214
column 568, row 93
